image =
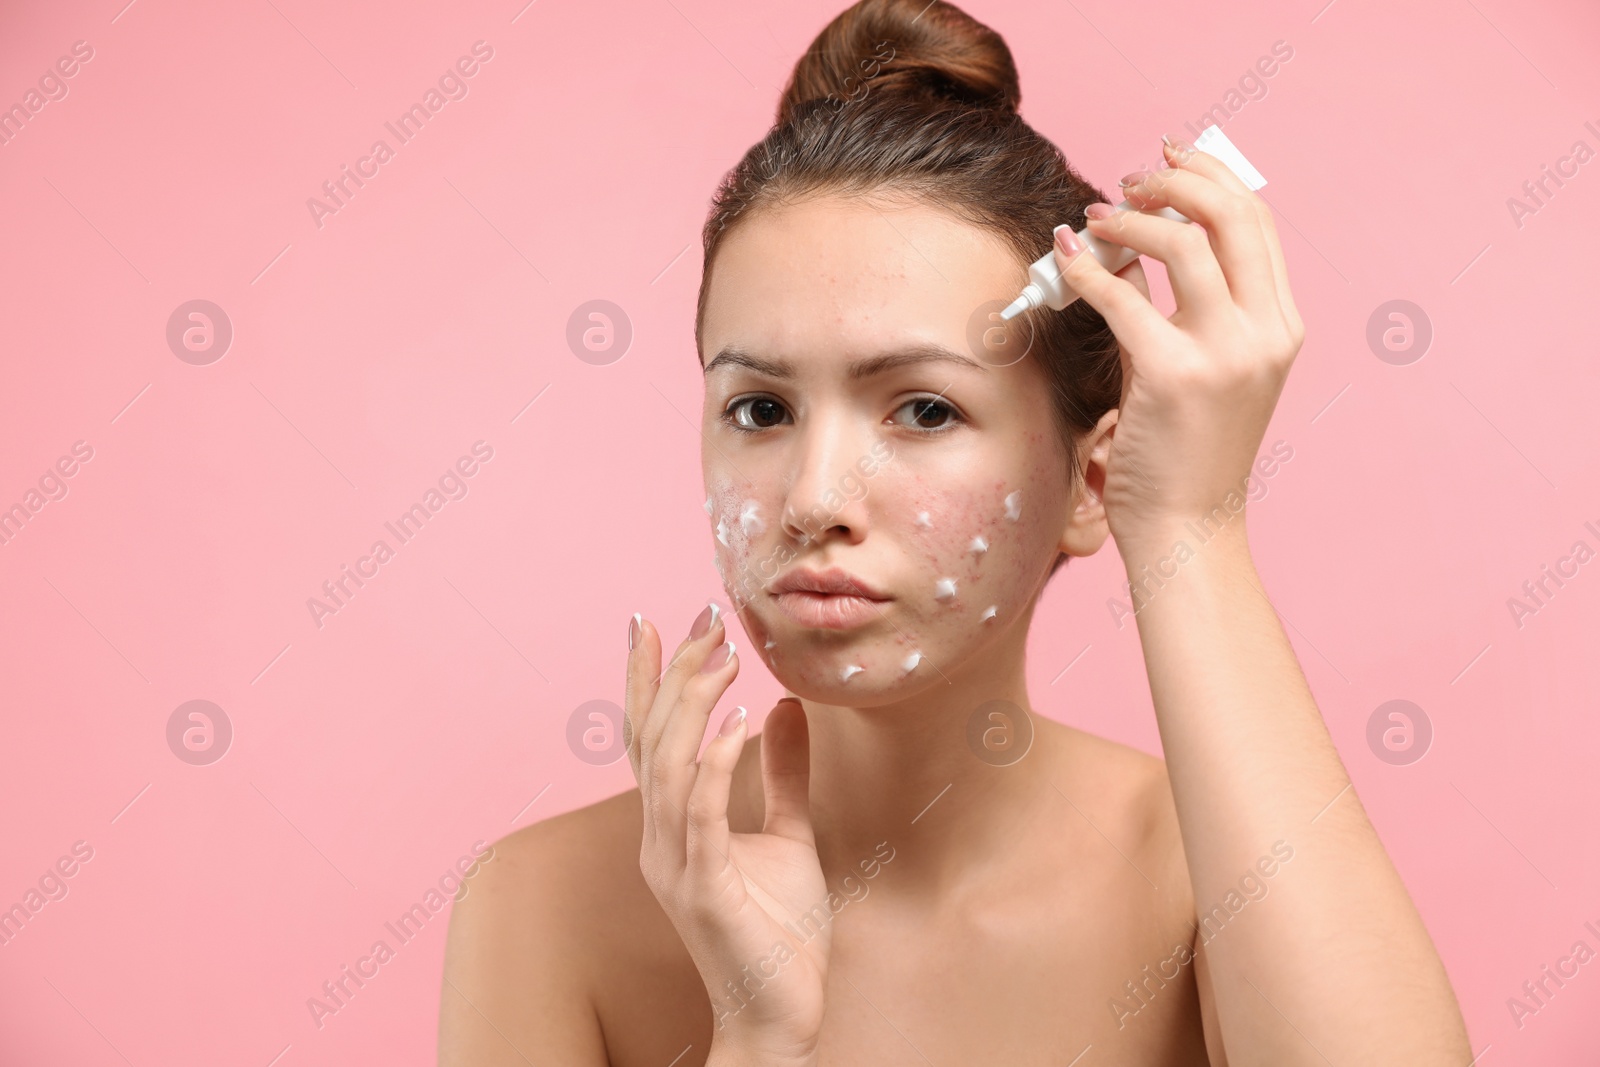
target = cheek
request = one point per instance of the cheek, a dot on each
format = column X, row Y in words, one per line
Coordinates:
column 741, row 521
column 977, row 548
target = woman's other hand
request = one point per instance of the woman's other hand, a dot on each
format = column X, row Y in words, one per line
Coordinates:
column 1198, row 387
column 729, row 895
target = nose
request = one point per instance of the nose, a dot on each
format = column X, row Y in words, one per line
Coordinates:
column 826, row 499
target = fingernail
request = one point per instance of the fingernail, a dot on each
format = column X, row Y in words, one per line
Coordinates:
column 732, row 723
column 1098, row 211
column 1181, row 149
column 635, row 631
column 1068, row 241
column 702, row 623
column 1134, row 178
column 718, row 659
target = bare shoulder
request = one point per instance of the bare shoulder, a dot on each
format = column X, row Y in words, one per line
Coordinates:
column 1123, row 787
column 528, row 940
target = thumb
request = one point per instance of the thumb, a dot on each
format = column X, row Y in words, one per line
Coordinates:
column 786, row 772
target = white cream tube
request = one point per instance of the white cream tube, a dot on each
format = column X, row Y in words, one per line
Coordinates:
column 1045, row 285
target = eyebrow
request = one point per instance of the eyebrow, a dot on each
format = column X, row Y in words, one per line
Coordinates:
column 784, row 370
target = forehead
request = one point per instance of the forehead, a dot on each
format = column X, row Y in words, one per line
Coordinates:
column 836, row 275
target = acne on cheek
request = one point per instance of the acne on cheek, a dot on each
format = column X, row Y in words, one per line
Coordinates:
column 738, row 521
column 974, row 546
column 979, row 540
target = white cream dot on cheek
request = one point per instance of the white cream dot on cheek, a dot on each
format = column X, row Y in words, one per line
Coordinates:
column 924, row 520
column 738, row 518
column 988, row 613
column 944, row 588
column 910, row 663
column 850, row 671
column 979, row 546
column 1014, row 505
column 707, row 505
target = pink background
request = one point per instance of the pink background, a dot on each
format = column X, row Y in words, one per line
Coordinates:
column 368, row 354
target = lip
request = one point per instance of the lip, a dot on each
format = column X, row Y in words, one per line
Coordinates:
column 835, row 581
column 833, row 599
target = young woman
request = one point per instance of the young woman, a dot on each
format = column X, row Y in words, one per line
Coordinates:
column 909, row 866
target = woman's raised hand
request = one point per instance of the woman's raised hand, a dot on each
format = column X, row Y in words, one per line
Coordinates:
column 1198, row 387
column 729, row 895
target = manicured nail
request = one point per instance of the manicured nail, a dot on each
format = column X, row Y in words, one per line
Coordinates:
column 1181, row 150
column 702, row 624
column 731, row 724
column 1098, row 211
column 1134, row 178
column 719, row 658
column 1068, row 241
column 635, row 631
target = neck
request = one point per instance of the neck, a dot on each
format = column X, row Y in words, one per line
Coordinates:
column 937, row 777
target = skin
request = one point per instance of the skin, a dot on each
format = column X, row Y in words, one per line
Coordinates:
column 981, row 910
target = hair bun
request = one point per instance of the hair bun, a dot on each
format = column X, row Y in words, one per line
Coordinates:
column 904, row 46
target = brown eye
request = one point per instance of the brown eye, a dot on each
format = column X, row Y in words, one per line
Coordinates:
column 930, row 413
column 754, row 413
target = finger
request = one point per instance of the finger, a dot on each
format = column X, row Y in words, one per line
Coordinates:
column 690, row 654
column 1198, row 286
column 644, row 657
column 1187, row 156
column 643, row 681
column 675, row 752
column 1280, row 272
column 786, row 772
column 1128, row 312
column 1183, row 154
column 1134, row 272
column 1202, row 188
column 707, row 808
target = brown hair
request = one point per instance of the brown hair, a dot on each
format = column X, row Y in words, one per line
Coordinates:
column 916, row 99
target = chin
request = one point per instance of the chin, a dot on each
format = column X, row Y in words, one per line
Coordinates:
column 823, row 686
column 847, row 667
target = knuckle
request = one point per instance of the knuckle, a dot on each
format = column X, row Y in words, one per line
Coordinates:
column 1241, row 210
column 1297, row 331
column 650, row 869
column 1191, row 241
column 655, row 798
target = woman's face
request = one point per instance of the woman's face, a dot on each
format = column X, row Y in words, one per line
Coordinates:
column 850, row 423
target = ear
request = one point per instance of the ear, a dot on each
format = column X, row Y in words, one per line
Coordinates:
column 1086, row 528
